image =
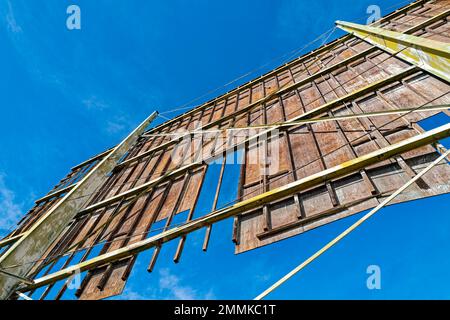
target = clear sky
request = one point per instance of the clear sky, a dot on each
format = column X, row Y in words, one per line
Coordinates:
column 67, row 95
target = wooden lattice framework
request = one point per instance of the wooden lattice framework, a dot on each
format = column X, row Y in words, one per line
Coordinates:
column 346, row 117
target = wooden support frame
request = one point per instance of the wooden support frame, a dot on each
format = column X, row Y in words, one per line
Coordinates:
column 285, row 89
column 214, row 205
column 250, row 204
column 182, row 240
column 348, row 117
column 299, row 120
column 237, row 100
column 429, row 21
column 286, row 66
column 34, row 242
column 141, row 188
column 307, row 115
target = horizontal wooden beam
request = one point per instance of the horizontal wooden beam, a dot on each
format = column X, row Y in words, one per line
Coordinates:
column 355, row 116
column 400, row 11
column 250, row 204
column 141, row 188
column 333, row 118
column 332, row 104
column 429, row 21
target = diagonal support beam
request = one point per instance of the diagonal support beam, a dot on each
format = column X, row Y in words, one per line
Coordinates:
column 33, row 243
column 14, row 276
column 249, row 204
column 430, row 55
column 8, row 241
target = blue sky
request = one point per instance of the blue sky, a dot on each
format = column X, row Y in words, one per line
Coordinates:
column 67, row 95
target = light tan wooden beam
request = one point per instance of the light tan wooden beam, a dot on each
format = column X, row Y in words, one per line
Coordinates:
column 9, row 240
column 444, row 108
column 430, row 55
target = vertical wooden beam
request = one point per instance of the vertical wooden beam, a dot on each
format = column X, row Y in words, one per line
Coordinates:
column 214, row 205
column 182, row 240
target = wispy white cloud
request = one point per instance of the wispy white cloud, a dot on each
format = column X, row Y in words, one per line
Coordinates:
column 95, row 103
column 118, row 125
column 114, row 127
column 11, row 21
column 169, row 286
column 176, row 290
column 130, row 294
column 171, row 282
column 210, row 295
column 10, row 209
column 262, row 277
